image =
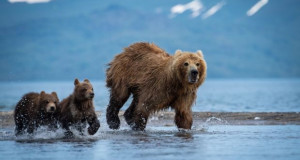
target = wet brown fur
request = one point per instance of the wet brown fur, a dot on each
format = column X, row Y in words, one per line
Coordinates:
column 157, row 80
column 78, row 109
column 31, row 112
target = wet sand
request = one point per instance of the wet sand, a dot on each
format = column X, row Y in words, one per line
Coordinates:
column 217, row 118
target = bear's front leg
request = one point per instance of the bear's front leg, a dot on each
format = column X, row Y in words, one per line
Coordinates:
column 94, row 124
column 183, row 119
column 182, row 106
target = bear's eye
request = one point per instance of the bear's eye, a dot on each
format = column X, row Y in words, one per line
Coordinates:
column 92, row 89
column 186, row 64
column 47, row 101
column 84, row 89
column 197, row 64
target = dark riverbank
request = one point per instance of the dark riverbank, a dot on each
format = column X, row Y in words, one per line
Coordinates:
column 219, row 118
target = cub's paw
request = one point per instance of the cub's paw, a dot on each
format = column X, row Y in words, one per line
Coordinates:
column 94, row 128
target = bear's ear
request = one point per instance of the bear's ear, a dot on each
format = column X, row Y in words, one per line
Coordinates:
column 42, row 93
column 87, row 81
column 54, row 94
column 178, row 52
column 199, row 53
column 76, row 82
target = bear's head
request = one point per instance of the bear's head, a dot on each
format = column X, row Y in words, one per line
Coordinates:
column 83, row 91
column 190, row 68
column 48, row 102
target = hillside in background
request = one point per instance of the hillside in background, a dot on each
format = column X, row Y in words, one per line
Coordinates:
column 64, row 39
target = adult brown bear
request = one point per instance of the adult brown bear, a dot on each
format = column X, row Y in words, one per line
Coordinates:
column 35, row 110
column 156, row 80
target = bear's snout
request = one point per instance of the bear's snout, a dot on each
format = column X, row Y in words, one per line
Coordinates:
column 193, row 76
column 52, row 108
column 194, row 72
column 92, row 95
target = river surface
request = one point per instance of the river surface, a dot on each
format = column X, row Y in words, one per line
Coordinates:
column 210, row 142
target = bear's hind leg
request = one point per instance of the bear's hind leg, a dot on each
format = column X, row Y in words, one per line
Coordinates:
column 129, row 112
column 117, row 100
column 21, row 121
column 139, row 118
column 68, row 133
column 19, row 127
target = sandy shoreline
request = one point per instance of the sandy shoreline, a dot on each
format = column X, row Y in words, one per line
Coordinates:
column 213, row 118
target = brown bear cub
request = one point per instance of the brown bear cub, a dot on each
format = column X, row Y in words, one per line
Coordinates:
column 156, row 80
column 34, row 110
column 78, row 109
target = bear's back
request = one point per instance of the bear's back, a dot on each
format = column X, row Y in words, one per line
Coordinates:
column 145, row 51
column 29, row 99
column 31, row 96
column 26, row 105
column 136, row 63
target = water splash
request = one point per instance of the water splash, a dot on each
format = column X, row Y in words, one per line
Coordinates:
column 215, row 120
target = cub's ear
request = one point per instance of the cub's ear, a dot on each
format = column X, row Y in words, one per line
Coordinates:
column 42, row 93
column 87, row 81
column 178, row 52
column 54, row 94
column 76, row 82
column 199, row 53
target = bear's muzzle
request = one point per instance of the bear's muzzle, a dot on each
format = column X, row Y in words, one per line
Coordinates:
column 193, row 76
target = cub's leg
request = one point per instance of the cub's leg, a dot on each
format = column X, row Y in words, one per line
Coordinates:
column 94, row 124
column 21, row 122
column 68, row 133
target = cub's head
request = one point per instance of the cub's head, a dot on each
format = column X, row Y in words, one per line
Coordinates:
column 48, row 102
column 83, row 91
column 190, row 67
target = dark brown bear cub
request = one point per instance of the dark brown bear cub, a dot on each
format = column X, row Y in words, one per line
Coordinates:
column 78, row 109
column 34, row 110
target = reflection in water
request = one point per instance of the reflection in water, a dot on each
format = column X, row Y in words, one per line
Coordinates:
column 184, row 135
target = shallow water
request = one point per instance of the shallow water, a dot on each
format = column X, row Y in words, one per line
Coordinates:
column 264, row 95
column 208, row 142
column 215, row 139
